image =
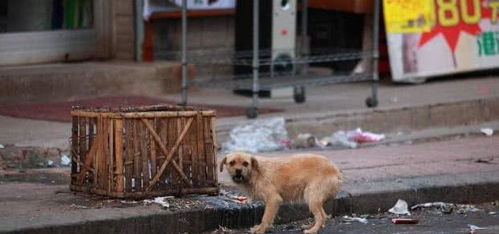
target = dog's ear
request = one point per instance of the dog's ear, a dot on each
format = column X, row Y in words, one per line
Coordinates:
column 254, row 164
column 222, row 164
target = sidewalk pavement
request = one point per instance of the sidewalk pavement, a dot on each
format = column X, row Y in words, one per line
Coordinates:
column 454, row 170
column 402, row 108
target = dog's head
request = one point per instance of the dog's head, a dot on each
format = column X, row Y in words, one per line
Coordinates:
column 240, row 166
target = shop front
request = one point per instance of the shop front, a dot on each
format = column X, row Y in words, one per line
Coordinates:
column 34, row 31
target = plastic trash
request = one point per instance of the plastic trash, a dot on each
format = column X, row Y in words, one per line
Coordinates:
column 65, row 160
column 351, row 139
column 305, row 140
column 355, row 219
column 160, row 200
column 258, row 136
column 364, row 137
column 2, row 146
column 50, row 163
column 473, row 228
column 447, row 208
column 400, row 208
column 487, row 131
column 340, row 138
column 404, row 221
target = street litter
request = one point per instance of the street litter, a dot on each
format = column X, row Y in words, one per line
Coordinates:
column 128, row 202
column 160, row 200
column 305, row 140
column 324, row 142
column 400, row 208
column 2, row 146
column 78, row 206
column 258, row 136
column 473, row 228
column 365, row 137
column 486, row 161
column 351, row 139
column 240, row 199
column 492, row 213
column 50, row 163
column 222, row 229
column 65, row 160
column 404, row 221
column 340, row 138
column 447, row 208
column 355, row 219
column 487, row 131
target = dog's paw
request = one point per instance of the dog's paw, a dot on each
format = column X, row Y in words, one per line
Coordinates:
column 313, row 229
column 307, row 226
column 310, row 231
column 258, row 229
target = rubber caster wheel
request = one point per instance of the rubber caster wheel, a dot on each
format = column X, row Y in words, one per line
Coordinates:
column 299, row 98
column 371, row 102
column 251, row 112
column 299, row 94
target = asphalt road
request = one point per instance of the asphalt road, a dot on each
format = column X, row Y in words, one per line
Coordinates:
column 431, row 220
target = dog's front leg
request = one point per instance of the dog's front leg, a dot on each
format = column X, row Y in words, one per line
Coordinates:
column 271, row 207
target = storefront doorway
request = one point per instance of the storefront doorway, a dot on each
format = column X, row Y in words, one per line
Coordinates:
column 40, row 31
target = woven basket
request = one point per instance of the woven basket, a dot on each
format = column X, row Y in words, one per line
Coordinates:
column 145, row 151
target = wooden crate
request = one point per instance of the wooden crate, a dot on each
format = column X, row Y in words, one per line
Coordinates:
column 146, row 151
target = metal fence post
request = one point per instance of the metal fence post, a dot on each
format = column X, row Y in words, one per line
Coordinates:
column 185, row 84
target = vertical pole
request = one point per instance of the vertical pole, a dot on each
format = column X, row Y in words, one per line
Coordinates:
column 256, row 48
column 139, row 29
column 184, row 53
column 304, row 32
column 375, row 57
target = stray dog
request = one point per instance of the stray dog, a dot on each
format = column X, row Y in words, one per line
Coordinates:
column 309, row 178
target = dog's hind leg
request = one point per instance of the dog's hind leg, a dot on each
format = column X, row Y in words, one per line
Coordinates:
column 316, row 209
column 315, row 196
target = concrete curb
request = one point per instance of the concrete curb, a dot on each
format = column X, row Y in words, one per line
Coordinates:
column 362, row 198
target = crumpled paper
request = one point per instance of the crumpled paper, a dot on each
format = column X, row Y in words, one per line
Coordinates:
column 400, row 208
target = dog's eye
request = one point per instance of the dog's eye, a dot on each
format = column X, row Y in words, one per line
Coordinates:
column 232, row 163
column 245, row 164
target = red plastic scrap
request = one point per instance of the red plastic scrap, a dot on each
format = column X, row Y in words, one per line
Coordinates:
column 404, row 221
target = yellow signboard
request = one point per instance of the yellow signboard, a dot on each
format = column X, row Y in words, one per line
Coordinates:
column 408, row 16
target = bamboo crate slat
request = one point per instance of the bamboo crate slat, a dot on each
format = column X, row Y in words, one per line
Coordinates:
column 137, row 152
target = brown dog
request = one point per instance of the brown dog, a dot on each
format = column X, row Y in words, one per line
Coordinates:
column 309, row 178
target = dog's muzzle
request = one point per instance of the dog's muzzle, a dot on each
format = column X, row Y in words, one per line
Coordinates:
column 238, row 178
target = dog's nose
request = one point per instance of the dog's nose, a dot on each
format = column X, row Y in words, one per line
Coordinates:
column 239, row 171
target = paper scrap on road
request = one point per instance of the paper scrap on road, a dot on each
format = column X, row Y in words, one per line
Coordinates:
column 160, row 200
column 487, row 131
column 78, row 206
column 355, row 219
column 400, row 208
column 473, row 228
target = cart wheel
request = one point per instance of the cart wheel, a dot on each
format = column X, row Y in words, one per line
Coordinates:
column 371, row 102
column 299, row 98
column 299, row 94
column 251, row 112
